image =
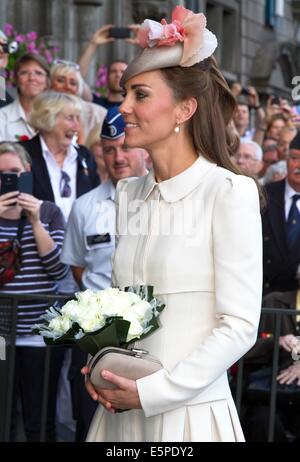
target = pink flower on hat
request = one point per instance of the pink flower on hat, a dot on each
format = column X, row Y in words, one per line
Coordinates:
column 186, row 27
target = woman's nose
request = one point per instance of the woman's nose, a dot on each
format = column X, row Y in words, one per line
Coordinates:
column 125, row 107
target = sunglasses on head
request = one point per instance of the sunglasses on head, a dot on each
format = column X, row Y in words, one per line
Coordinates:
column 67, row 63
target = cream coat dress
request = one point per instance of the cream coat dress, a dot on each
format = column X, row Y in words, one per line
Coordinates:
column 197, row 239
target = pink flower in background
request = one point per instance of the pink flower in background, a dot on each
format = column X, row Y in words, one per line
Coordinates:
column 31, row 47
column 101, row 80
column 8, row 30
column 48, row 56
column 32, row 36
column 20, row 38
column 28, row 43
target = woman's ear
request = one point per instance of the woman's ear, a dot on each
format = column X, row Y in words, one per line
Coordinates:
column 28, row 168
column 188, row 108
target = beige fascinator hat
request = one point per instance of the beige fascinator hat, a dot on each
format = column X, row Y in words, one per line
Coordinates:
column 184, row 42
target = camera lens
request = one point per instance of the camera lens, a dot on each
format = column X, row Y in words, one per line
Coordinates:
column 10, row 47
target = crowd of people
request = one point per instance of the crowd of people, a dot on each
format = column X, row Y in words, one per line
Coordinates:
column 176, row 121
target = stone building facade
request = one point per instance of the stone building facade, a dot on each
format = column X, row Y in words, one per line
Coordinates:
column 258, row 39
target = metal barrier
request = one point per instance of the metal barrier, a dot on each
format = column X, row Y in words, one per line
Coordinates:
column 278, row 313
column 8, row 322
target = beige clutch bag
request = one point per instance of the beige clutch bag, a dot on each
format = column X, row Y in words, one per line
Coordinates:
column 132, row 364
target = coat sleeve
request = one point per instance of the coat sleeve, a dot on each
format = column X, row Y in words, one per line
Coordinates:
column 237, row 252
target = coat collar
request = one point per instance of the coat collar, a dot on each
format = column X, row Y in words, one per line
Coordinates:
column 179, row 186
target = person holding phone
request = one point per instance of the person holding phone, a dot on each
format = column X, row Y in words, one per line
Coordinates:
column 105, row 35
column 40, row 245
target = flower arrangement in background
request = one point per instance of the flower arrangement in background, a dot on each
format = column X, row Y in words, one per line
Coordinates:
column 101, row 80
column 28, row 43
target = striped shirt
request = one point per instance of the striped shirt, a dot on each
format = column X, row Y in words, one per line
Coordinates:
column 37, row 274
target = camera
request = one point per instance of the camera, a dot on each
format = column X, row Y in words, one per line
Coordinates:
column 275, row 100
column 10, row 47
column 119, row 32
column 245, row 91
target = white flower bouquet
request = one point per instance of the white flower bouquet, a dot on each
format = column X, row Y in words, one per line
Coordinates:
column 109, row 317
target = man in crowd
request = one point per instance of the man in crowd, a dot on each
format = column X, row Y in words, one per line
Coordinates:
column 281, row 227
column 90, row 241
column 115, row 70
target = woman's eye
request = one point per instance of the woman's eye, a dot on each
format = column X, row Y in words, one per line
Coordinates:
column 140, row 95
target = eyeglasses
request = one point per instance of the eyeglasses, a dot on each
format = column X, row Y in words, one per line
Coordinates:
column 26, row 74
column 65, row 188
column 67, row 63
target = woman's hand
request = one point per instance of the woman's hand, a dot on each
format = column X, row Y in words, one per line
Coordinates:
column 290, row 374
column 125, row 396
column 94, row 394
column 7, row 201
column 31, row 205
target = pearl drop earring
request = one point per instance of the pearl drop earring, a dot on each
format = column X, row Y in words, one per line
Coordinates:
column 177, row 129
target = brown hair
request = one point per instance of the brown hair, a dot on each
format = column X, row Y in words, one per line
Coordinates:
column 27, row 57
column 273, row 119
column 209, row 127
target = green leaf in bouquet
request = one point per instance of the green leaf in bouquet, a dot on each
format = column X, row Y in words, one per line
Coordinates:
column 160, row 307
column 67, row 339
column 145, row 292
column 113, row 334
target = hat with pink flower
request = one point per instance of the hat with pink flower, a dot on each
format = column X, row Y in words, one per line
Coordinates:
column 184, row 42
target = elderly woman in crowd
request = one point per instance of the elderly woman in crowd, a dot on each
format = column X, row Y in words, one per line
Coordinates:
column 61, row 170
column 31, row 78
column 42, row 232
column 65, row 77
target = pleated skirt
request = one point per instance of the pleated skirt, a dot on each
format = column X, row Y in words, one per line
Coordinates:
column 206, row 422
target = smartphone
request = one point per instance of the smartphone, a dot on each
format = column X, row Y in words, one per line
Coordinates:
column 9, row 182
column 119, row 32
column 25, row 183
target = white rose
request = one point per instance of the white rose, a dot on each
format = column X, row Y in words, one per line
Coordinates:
column 70, row 308
column 135, row 330
column 91, row 324
column 60, row 324
column 143, row 311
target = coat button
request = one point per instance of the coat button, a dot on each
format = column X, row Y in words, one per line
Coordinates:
column 269, row 261
column 267, row 285
column 266, row 238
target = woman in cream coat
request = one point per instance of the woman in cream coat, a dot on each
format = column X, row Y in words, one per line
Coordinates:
column 191, row 228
